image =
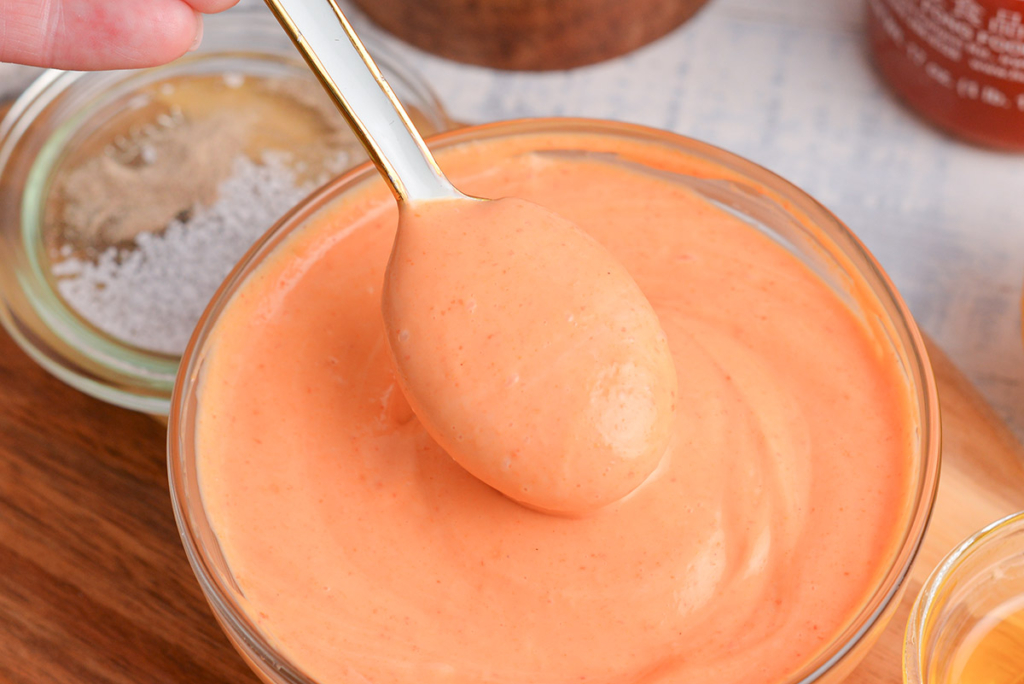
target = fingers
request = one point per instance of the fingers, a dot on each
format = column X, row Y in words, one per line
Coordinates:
column 211, row 6
column 98, row 34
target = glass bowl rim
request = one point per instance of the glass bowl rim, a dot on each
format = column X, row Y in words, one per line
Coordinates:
column 257, row 648
column 925, row 605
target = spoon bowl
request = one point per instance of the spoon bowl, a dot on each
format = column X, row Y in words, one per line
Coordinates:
column 524, row 348
column 531, row 356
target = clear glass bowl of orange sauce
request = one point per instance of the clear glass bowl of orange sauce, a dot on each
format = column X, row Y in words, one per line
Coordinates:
column 767, row 202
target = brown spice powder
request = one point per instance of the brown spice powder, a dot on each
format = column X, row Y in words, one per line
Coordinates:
column 110, row 199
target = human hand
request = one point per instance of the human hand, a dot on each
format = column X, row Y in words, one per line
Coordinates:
column 101, row 34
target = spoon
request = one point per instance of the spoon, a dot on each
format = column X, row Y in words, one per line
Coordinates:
column 524, row 348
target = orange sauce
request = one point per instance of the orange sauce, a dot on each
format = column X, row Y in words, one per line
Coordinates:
column 365, row 553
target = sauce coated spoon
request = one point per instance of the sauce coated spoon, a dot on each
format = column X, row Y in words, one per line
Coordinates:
column 525, row 349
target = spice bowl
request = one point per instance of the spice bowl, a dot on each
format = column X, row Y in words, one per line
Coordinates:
column 967, row 624
column 129, row 195
column 769, row 204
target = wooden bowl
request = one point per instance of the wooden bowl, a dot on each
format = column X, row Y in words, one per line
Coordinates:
column 529, row 34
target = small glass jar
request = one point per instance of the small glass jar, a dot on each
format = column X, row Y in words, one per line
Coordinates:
column 765, row 201
column 967, row 625
column 57, row 118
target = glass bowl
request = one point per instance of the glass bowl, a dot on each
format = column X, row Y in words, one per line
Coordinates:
column 51, row 122
column 764, row 200
column 978, row 585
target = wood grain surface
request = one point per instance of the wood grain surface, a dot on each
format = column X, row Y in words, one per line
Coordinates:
column 95, row 587
column 94, row 583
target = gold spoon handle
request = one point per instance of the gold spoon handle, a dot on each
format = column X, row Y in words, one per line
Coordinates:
column 336, row 55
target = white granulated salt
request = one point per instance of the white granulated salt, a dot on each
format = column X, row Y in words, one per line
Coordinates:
column 152, row 294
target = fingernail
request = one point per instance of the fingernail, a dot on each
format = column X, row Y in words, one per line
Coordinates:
column 199, row 33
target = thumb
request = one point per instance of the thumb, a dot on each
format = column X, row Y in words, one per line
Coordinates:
column 96, row 34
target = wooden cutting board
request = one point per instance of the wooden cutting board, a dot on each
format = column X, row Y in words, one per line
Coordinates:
column 95, row 587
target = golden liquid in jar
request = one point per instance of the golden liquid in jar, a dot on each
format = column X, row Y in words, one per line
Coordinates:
column 992, row 652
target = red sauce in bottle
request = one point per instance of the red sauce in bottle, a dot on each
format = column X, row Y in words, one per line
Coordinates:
column 960, row 63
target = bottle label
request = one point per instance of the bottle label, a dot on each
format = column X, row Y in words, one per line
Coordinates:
column 973, row 49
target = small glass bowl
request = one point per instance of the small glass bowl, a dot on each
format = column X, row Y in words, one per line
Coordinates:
column 971, row 585
column 55, row 117
column 766, row 201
